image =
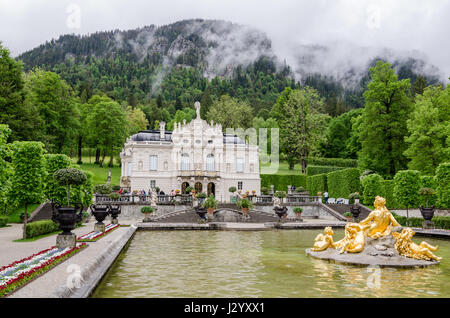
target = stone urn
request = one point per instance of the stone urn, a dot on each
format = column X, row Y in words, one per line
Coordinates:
column 355, row 211
column 427, row 213
column 201, row 212
column 67, row 217
column 281, row 212
column 114, row 211
column 100, row 212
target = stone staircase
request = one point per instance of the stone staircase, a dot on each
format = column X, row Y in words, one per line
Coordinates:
column 342, row 208
column 42, row 212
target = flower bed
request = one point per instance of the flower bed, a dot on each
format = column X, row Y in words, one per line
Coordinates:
column 22, row 272
column 95, row 236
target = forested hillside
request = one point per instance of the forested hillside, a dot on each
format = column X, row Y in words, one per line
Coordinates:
column 182, row 62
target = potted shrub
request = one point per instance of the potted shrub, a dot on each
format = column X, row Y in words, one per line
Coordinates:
column 349, row 216
column 115, row 188
column 157, row 189
column 280, row 194
column 232, row 190
column 427, row 212
column 353, row 198
column 102, row 189
column 114, row 196
column 210, row 204
column 189, row 190
column 245, row 205
column 264, row 191
column 298, row 212
column 147, row 210
column 68, row 216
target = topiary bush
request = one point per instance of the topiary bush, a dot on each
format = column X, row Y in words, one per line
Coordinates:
column 372, row 186
column 317, row 183
column 388, row 194
column 443, row 185
column 342, row 183
column 406, row 188
column 40, row 228
column 147, row 209
column 69, row 177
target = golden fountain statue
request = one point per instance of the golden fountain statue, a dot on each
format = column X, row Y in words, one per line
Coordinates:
column 376, row 230
column 406, row 247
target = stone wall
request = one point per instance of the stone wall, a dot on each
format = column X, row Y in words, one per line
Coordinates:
column 133, row 212
column 416, row 213
column 308, row 211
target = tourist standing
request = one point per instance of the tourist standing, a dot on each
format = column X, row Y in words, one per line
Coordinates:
column 325, row 195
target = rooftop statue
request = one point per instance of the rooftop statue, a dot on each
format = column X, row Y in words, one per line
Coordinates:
column 380, row 221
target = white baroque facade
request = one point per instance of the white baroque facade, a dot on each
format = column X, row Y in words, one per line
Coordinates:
column 196, row 154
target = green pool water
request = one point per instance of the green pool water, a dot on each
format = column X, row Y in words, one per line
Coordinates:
column 257, row 264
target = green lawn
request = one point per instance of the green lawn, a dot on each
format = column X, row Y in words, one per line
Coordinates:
column 283, row 168
column 100, row 174
column 14, row 217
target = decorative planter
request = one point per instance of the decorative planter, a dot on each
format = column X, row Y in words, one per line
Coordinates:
column 349, row 218
column 210, row 211
column 114, row 211
column 355, row 210
column 100, row 213
column 427, row 213
column 299, row 216
column 281, row 212
column 245, row 211
column 67, row 217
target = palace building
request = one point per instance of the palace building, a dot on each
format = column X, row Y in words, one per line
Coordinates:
column 196, row 154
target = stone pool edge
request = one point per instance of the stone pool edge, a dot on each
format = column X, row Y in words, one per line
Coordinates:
column 97, row 268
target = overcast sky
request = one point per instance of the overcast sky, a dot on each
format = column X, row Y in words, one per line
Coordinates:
column 405, row 25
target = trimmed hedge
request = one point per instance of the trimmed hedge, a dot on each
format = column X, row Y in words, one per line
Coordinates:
column 388, row 194
column 443, row 185
column 342, row 183
column 281, row 182
column 313, row 170
column 3, row 221
column 317, row 183
column 440, row 222
column 406, row 188
column 336, row 162
column 40, row 228
column 372, row 186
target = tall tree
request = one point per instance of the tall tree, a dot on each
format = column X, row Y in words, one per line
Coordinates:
column 231, row 113
column 107, row 126
column 56, row 107
column 136, row 120
column 5, row 166
column 301, row 123
column 387, row 108
column 429, row 130
column 29, row 173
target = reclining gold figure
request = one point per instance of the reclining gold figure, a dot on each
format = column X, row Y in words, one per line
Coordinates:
column 406, row 247
column 324, row 241
column 380, row 221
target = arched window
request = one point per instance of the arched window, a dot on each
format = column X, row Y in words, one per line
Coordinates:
column 130, row 168
column 185, row 162
column 210, row 163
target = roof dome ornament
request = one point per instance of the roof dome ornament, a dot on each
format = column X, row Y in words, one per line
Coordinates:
column 197, row 109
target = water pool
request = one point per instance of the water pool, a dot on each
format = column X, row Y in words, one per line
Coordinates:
column 257, row 264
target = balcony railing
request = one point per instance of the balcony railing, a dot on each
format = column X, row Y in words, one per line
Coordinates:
column 143, row 199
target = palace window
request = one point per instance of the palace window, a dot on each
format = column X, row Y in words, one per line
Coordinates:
column 239, row 165
column 153, row 162
column 152, row 184
column 130, row 167
column 210, row 163
column 239, row 185
column 185, row 162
